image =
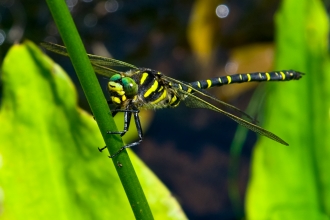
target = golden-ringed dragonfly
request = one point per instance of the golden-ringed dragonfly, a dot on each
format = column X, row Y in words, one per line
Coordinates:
column 143, row 88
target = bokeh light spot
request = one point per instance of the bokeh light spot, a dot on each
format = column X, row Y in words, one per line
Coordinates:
column 222, row 11
column 2, row 37
column 111, row 6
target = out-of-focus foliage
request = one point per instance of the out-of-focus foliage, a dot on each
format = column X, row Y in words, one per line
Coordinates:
column 50, row 165
column 294, row 182
column 247, row 59
column 204, row 38
column 202, row 30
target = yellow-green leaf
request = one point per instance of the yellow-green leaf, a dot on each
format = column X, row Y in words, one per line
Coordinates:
column 293, row 182
column 50, row 167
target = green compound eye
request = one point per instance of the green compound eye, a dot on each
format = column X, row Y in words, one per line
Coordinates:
column 130, row 86
column 115, row 77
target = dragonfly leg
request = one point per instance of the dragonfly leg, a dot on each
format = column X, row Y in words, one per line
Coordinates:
column 140, row 133
column 127, row 119
column 101, row 149
column 138, row 125
column 125, row 110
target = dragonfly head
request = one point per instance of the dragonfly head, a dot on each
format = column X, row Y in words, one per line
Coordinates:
column 121, row 88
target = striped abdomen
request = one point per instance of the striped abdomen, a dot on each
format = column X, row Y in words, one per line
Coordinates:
column 284, row 75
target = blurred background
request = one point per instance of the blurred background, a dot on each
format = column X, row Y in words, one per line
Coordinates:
column 188, row 149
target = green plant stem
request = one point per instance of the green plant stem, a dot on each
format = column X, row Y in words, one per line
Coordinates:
column 236, row 151
column 99, row 107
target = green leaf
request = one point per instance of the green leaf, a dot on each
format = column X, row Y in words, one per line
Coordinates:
column 294, row 182
column 50, row 167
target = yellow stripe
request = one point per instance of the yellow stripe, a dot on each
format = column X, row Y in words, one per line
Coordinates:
column 180, row 86
column 249, row 77
column 268, row 76
column 143, row 78
column 199, row 84
column 174, row 98
column 283, row 75
column 115, row 100
column 160, row 89
column 220, row 80
column 240, row 77
column 260, row 76
column 189, row 90
column 121, row 92
column 152, row 89
column 229, row 79
column 160, row 98
column 175, row 104
column 209, row 83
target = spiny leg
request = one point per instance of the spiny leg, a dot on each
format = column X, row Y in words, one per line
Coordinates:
column 101, row 149
column 127, row 119
column 140, row 133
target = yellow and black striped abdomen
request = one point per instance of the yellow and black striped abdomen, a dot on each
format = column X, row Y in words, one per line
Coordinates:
column 284, row 75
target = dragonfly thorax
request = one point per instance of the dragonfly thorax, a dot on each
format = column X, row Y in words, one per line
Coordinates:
column 153, row 91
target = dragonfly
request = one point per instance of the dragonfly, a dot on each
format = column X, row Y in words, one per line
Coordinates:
column 143, row 88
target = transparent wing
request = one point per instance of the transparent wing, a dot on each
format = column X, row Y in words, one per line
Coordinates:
column 201, row 92
column 100, row 64
column 196, row 102
column 104, row 71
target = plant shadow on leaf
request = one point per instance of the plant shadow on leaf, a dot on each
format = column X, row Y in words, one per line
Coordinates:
column 50, row 165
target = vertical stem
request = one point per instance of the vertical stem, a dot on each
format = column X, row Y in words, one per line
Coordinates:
column 99, row 107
